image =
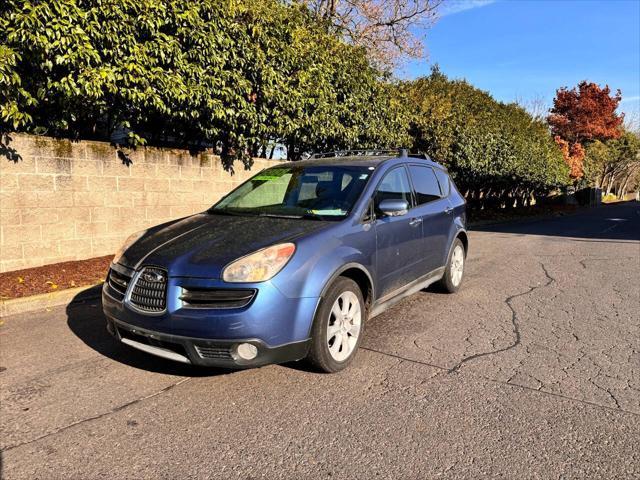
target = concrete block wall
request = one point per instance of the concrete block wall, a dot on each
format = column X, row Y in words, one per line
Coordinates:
column 63, row 200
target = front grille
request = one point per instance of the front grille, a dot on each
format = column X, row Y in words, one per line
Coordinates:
column 214, row 351
column 216, row 297
column 118, row 284
column 149, row 293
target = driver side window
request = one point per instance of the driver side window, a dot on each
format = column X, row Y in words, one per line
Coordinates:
column 394, row 186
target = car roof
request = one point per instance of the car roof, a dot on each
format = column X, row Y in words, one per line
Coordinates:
column 365, row 161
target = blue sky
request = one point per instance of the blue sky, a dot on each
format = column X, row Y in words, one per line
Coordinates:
column 527, row 49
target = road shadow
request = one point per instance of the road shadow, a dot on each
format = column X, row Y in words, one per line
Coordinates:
column 613, row 222
column 86, row 320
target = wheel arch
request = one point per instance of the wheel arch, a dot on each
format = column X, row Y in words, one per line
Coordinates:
column 464, row 238
column 359, row 274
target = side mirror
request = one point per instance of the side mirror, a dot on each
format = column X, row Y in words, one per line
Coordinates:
column 393, row 208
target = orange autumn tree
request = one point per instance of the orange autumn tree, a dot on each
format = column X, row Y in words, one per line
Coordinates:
column 581, row 115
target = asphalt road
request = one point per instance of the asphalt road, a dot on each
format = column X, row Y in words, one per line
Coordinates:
column 531, row 371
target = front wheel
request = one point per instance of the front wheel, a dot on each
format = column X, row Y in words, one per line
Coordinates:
column 454, row 271
column 337, row 327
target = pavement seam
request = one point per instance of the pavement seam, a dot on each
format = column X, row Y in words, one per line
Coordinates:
column 96, row 417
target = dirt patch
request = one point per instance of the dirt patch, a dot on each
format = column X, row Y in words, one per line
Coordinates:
column 54, row 277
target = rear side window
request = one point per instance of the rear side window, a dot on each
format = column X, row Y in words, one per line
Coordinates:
column 443, row 179
column 394, row 186
column 425, row 184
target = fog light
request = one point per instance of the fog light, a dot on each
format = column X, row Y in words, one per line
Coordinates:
column 246, row 351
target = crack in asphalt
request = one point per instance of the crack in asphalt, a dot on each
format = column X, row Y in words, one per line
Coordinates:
column 514, row 323
column 500, row 382
column 96, row 417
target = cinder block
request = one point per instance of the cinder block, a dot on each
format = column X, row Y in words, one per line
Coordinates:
column 119, row 199
column 76, row 183
column 102, row 184
column 8, row 181
column 90, row 229
column 181, row 185
column 168, row 171
column 190, row 173
column 115, row 168
column 59, row 166
column 178, row 211
column 10, row 216
column 46, row 248
column 107, row 245
column 11, row 252
column 75, row 214
column 34, row 182
column 143, row 170
column 77, row 248
column 157, row 184
column 135, row 215
column 10, row 265
column 127, row 184
column 39, row 216
column 88, row 199
column 19, row 234
column 59, row 231
column 90, row 166
column 103, row 214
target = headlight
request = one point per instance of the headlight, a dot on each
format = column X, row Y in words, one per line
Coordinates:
column 133, row 238
column 259, row 266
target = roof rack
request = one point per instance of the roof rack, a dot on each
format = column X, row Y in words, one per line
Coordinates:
column 369, row 152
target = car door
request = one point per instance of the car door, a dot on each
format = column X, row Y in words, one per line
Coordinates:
column 433, row 208
column 398, row 238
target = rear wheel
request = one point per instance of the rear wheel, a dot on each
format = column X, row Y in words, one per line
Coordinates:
column 454, row 271
column 337, row 327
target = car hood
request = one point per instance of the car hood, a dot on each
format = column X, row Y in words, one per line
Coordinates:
column 203, row 244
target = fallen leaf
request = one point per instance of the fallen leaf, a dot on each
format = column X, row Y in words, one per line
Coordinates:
column 20, row 280
column 51, row 284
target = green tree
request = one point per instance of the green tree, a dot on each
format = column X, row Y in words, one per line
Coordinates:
column 498, row 153
column 235, row 74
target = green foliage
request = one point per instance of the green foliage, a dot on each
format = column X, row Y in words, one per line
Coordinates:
column 614, row 164
column 240, row 74
column 497, row 152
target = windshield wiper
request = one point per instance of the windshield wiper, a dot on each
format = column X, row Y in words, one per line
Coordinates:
column 278, row 215
column 214, row 211
column 312, row 216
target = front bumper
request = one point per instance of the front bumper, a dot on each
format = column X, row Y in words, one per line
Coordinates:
column 277, row 325
column 203, row 351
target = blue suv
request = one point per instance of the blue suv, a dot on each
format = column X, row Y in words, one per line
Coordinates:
column 291, row 264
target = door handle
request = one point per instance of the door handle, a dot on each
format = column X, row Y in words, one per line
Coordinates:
column 415, row 222
column 448, row 210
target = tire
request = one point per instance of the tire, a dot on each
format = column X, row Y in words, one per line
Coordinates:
column 454, row 275
column 327, row 352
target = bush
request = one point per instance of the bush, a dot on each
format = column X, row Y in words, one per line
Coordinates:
column 498, row 154
column 238, row 74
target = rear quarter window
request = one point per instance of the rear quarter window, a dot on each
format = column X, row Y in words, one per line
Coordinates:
column 444, row 181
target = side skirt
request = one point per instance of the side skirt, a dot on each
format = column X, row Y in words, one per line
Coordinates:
column 394, row 297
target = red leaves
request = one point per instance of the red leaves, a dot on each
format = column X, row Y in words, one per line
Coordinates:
column 573, row 155
column 582, row 114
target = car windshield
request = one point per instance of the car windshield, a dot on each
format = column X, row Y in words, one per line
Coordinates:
column 325, row 192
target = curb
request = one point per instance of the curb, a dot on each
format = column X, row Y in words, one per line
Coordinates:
column 33, row 303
